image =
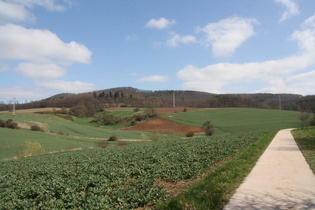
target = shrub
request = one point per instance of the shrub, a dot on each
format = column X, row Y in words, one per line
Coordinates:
column 136, row 110
column 113, row 138
column 34, row 148
column 190, row 134
column 11, row 124
column 133, row 123
column 208, row 128
column 2, row 124
column 36, row 128
column 30, row 149
column 185, row 110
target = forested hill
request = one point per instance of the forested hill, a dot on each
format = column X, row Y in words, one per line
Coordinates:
column 132, row 97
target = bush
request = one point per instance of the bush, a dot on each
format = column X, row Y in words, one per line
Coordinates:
column 2, row 124
column 36, row 128
column 11, row 124
column 208, row 128
column 136, row 110
column 30, row 149
column 113, row 138
column 190, row 134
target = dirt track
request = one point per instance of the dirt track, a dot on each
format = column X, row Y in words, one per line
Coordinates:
column 161, row 125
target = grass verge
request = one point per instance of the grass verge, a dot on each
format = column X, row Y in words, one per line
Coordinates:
column 305, row 139
column 215, row 190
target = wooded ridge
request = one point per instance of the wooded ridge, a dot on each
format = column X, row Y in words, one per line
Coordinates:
column 132, row 97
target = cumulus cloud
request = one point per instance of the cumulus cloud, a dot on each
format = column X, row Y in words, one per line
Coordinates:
column 154, row 78
column 279, row 75
column 48, row 4
column 21, row 93
column 19, row 43
column 43, row 71
column 291, row 9
column 160, row 23
column 66, row 86
column 19, row 10
column 228, row 34
column 176, row 40
column 10, row 12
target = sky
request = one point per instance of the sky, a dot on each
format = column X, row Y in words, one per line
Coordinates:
column 49, row 47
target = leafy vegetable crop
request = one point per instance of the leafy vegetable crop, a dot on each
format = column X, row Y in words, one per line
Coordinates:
column 115, row 177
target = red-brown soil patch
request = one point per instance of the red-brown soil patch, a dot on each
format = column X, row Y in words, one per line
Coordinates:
column 161, row 125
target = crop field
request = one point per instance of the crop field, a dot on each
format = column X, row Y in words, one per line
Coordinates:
column 238, row 120
column 114, row 177
column 124, row 177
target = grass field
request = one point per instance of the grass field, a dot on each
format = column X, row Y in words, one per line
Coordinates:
column 238, row 120
column 306, row 141
column 75, row 134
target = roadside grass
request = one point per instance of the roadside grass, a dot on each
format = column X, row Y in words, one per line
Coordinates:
column 305, row 139
column 238, row 120
column 215, row 190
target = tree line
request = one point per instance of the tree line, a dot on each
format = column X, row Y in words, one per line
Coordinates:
column 131, row 97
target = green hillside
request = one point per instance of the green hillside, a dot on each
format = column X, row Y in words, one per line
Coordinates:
column 238, row 120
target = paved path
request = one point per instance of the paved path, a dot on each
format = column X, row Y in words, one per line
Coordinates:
column 281, row 179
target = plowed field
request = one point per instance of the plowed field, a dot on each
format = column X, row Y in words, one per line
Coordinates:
column 164, row 126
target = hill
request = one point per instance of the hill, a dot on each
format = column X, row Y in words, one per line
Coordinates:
column 132, row 97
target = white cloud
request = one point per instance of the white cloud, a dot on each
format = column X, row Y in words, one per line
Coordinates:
column 48, row 4
column 154, row 78
column 19, row 10
column 228, row 34
column 19, row 43
column 291, row 9
column 66, row 86
column 43, row 71
column 160, row 23
column 21, row 93
column 280, row 75
column 176, row 39
column 10, row 12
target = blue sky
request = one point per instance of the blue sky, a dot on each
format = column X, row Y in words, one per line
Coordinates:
column 219, row 46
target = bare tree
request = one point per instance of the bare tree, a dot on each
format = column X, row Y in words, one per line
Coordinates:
column 303, row 117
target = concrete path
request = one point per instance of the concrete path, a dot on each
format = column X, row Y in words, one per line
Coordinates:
column 281, row 179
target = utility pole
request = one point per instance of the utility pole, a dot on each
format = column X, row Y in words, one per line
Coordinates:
column 14, row 101
column 174, row 99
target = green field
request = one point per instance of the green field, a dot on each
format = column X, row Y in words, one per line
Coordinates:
column 75, row 134
column 125, row 177
column 114, row 177
column 239, row 120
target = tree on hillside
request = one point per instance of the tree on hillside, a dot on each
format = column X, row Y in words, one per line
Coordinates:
column 208, row 128
column 303, row 117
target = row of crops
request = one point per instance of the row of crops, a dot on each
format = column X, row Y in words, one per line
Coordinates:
column 114, row 177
